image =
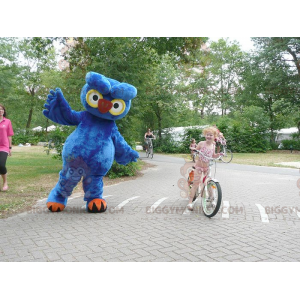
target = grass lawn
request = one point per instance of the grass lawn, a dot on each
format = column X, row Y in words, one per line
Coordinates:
column 269, row 159
column 32, row 174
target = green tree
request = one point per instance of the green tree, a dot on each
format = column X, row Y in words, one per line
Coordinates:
column 162, row 100
column 148, row 63
column 271, row 84
column 185, row 48
column 285, row 49
column 34, row 59
column 226, row 65
column 8, row 68
column 284, row 52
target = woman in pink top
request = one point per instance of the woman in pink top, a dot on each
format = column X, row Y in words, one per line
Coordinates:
column 6, row 133
column 206, row 147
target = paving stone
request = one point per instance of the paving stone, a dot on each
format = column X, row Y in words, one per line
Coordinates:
column 134, row 235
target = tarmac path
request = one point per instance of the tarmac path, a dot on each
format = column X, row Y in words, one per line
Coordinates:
column 147, row 220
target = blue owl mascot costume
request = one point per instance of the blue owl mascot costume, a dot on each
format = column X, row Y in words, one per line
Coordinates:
column 91, row 148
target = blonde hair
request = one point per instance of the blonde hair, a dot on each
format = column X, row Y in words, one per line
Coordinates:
column 210, row 129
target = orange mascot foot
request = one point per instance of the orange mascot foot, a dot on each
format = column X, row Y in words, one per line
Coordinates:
column 55, row 207
column 97, row 206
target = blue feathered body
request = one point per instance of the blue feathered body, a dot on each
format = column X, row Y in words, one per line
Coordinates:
column 91, row 148
column 98, row 142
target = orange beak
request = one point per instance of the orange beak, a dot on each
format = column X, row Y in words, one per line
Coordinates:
column 104, row 106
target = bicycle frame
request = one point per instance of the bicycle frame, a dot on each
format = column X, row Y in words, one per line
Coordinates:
column 207, row 179
column 149, row 150
column 149, row 140
column 209, row 168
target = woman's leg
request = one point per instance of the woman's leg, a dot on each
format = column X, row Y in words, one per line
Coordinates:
column 3, row 171
column 5, row 186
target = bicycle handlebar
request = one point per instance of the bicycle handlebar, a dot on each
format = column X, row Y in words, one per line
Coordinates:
column 209, row 158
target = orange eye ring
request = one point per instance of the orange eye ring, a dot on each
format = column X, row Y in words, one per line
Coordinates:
column 118, row 107
column 92, row 98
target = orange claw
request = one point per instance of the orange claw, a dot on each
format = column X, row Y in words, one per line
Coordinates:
column 97, row 206
column 55, row 207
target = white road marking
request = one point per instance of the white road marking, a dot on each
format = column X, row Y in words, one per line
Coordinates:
column 263, row 215
column 125, row 202
column 120, row 205
column 225, row 210
column 297, row 212
column 158, row 202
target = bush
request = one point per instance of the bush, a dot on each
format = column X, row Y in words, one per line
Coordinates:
column 166, row 145
column 118, row 170
column 23, row 137
column 189, row 134
column 57, row 138
column 241, row 136
column 287, row 144
column 274, row 146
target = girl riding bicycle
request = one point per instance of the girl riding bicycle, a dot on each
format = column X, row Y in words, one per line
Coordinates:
column 207, row 148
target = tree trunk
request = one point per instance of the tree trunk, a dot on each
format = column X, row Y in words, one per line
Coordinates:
column 296, row 61
column 29, row 119
column 32, row 93
column 272, row 137
column 202, row 113
column 159, row 127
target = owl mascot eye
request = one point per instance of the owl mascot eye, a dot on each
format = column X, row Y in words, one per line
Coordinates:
column 91, row 148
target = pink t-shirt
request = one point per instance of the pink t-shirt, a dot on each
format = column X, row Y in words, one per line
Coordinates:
column 5, row 131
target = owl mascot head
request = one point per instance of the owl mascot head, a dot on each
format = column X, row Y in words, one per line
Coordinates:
column 91, row 148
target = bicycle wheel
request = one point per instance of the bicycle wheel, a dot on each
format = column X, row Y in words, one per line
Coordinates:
column 227, row 157
column 211, row 198
column 151, row 152
column 147, row 153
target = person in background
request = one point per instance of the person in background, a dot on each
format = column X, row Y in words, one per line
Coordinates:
column 219, row 140
column 148, row 134
column 193, row 145
column 6, row 133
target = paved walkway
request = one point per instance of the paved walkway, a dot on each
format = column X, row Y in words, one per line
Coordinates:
column 147, row 220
